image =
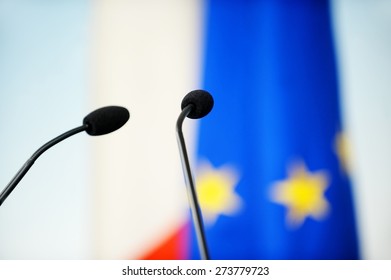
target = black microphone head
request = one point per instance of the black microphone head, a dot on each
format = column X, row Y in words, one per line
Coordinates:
column 202, row 101
column 105, row 120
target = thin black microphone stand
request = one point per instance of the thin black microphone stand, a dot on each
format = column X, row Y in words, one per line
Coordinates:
column 195, row 208
column 23, row 170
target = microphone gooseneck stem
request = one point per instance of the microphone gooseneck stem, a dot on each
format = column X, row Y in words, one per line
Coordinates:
column 22, row 171
column 195, row 208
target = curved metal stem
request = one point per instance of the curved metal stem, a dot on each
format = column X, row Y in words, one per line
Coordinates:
column 22, row 171
column 195, row 208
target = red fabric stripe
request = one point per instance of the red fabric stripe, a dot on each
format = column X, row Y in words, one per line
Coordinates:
column 173, row 247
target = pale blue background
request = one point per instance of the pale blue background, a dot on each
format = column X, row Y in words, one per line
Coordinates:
column 43, row 93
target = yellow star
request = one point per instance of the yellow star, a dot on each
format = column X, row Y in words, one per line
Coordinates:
column 215, row 192
column 302, row 194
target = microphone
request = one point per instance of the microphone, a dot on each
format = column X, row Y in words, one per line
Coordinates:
column 99, row 122
column 195, row 105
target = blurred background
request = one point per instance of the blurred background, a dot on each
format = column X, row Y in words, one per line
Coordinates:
column 120, row 196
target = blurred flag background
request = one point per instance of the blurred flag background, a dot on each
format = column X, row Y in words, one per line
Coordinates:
column 294, row 157
column 272, row 182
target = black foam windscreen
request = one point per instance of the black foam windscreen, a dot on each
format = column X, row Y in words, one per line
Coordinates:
column 203, row 103
column 105, row 120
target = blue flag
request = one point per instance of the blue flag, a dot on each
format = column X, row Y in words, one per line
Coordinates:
column 272, row 175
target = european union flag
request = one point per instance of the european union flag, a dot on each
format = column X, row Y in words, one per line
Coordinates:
column 272, row 178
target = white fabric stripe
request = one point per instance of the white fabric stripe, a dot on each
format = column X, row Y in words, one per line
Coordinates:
column 146, row 57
